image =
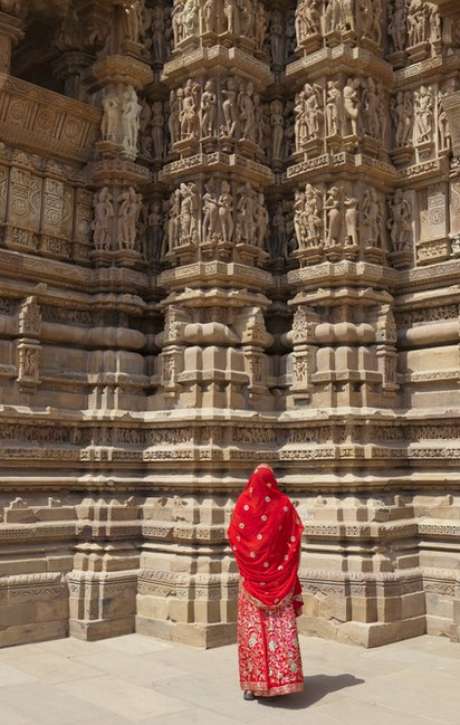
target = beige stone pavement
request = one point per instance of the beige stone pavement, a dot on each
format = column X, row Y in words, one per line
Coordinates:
column 135, row 679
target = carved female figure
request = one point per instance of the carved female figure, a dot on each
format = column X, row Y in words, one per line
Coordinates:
column 226, row 212
column 130, row 121
column 190, row 18
column 247, row 112
column 229, row 108
column 128, row 215
column 189, row 212
column 397, row 25
column 110, row 126
column 158, row 34
column 371, row 218
column 300, row 125
column 261, row 26
column 176, row 20
column 209, row 16
column 400, row 223
column 300, row 218
column 334, row 216
column 424, row 118
column 333, row 108
column 211, row 214
column 277, row 124
column 208, row 110
column 351, row 220
column 313, row 213
column 231, row 16
column 351, row 105
column 189, row 114
column 102, row 225
column 174, row 227
column 134, row 20
column 276, row 38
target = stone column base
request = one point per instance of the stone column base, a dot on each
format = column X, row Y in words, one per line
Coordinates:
column 101, row 629
column 196, row 635
column 365, row 635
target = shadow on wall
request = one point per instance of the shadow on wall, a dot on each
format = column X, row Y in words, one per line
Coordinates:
column 316, row 688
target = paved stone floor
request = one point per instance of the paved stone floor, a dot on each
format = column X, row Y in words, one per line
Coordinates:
column 135, row 679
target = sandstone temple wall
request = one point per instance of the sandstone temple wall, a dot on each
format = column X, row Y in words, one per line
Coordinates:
column 229, row 233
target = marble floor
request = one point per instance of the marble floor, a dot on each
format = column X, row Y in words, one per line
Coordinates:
column 135, row 679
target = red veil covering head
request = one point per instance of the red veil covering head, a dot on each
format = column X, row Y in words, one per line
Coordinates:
column 265, row 534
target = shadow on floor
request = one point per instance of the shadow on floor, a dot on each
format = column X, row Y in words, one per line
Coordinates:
column 316, row 688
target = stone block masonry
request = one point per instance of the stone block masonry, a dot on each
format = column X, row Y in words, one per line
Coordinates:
column 229, row 234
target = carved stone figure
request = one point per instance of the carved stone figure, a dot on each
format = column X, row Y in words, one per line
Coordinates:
column 208, row 111
column 103, row 219
column 225, row 203
column 130, row 121
column 209, row 16
column 174, row 117
column 397, row 25
column 211, row 221
column 229, row 109
column 351, row 106
column 400, row 222
column 351, row 220
column 371, row 219
column 277, row 124
column 334, row 209
column 110, row 127
column 158, row 28
column 231, row 15
column 424, row 115
column 417, row 22
column 129, row 208
column 189, row 114
column 189, row 209
column 133, row 20
column 276, row 38
column 334, row 108
column 261, row 26
column 247, row 112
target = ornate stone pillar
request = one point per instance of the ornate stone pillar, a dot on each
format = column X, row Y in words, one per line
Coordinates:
column 214, row 251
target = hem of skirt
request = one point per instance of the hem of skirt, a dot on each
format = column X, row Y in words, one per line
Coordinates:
column 272, row 691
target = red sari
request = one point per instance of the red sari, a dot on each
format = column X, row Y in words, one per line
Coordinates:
column 265, row 534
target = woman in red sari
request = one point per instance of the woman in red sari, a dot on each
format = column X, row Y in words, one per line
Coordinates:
column 265, row 534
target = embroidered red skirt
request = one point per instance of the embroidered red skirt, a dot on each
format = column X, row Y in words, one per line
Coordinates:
column 268, row 649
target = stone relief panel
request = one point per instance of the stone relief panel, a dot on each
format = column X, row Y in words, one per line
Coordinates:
column 43, row 207
column 340, row 221
column 222, row 218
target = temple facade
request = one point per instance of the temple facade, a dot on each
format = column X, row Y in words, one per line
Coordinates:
column 229, row 234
